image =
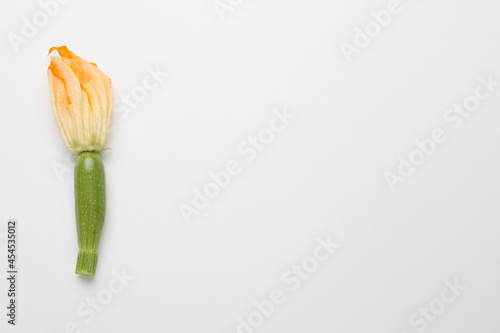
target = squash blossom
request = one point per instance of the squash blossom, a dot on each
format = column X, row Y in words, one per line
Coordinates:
column 81, row 99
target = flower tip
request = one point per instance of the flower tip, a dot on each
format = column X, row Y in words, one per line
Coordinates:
column 62, row 50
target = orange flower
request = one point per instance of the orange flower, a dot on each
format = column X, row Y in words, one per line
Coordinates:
column 81, row 98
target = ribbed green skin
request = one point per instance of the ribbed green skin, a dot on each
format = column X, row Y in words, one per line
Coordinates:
column 90, row 206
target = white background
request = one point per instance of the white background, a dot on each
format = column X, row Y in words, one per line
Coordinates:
column 323, row 175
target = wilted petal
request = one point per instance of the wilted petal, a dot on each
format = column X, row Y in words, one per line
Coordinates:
column 66, row 100
column 109, row 96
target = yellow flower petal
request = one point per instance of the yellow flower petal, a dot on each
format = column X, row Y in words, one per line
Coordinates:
column 81, row 98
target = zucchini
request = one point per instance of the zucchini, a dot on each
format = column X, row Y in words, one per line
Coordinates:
column 90, row 207
column 82, row 99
